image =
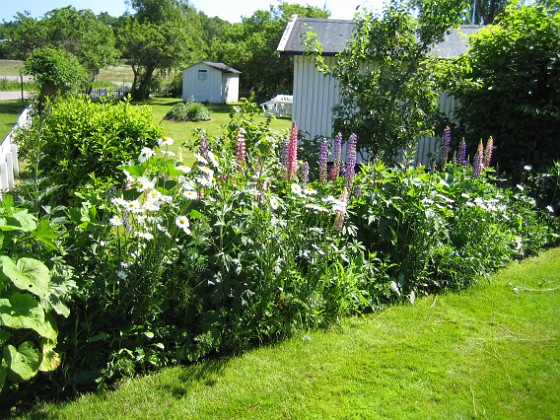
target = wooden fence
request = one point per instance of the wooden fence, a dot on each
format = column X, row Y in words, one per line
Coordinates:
column 9, row 166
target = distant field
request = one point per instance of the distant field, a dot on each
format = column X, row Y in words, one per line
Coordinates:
column 11, row 67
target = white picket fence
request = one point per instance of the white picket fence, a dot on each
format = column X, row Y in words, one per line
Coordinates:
column 9, row 166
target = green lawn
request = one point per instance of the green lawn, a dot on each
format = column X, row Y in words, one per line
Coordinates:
column 183, row 131
column 492, row 351
column 9, row 114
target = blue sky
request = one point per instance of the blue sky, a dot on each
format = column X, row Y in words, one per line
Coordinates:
column 230, row 10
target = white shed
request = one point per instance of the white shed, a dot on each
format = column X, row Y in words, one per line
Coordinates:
column 214, row 83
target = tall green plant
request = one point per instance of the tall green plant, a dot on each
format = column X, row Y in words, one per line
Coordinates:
column 31, row 295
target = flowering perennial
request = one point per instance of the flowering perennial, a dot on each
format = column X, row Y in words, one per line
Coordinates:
column 461, row 156
column 337, row 157
column 305, row 173
column 291, row 163
column 241, row 150
column 478, row 160
column 351, row 160
column 323, row 158
column 445, row 145
column 488, row 152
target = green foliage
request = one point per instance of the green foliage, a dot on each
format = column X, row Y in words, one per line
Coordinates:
column 445, row 230
column 162, row 35
column 190, row 111
column 56, row 72
column 516, row 97
column 79, row 32
column 389, row 79
column 77, row 140
column 250, row 46
column 30, row 295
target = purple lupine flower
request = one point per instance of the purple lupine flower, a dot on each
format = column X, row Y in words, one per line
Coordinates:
column 351, row 160
column 284, row 156
column 343, row 170
column 488, row 152
column 204, row 147
column 323, row 158
column 358, row 192
column 461, row 156
column 305, row 173
column 445, row 145
column 337, row 152
column 241, row 150
column 477, row 161
column 291, row 164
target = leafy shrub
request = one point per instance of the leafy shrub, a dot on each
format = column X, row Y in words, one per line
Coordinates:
column 515, row 62
column 56, row 72
column 190, row 111
column 76, row 139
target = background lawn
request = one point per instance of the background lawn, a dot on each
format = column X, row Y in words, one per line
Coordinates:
column 492, row 351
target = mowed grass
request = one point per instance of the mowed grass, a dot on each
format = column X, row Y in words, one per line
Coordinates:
column 492, row 351
column 9, row 114
column 184, row 132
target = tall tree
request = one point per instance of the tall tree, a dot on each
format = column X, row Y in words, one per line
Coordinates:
column 250, row 46
column 486, row 11
column 161, row 35
column 79, row 32
column 389, row 80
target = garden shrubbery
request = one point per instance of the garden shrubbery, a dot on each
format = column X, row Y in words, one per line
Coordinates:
column 176, row 263
column 189, row 111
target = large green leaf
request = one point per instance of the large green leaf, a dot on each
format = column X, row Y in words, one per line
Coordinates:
column 23, row 311
column 20, row 220
column 23, row 363
column 28, row 274
column 50, row 360
column 46, row 234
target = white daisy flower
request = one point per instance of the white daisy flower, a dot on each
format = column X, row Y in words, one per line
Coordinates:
column 183, row 223
column 145, row 154
column 116, row 221
column 190, row 194
column 145, row 184
column 212, row 158
column 165, row 141
column 184, row 169
column 274, row 203
column 296, row 189
column 200, row 158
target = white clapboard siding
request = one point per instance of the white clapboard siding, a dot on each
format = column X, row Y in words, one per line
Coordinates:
column 9, row 166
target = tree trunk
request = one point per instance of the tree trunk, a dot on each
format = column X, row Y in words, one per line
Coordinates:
column 141, row 89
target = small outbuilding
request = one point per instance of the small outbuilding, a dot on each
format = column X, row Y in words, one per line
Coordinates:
column 209, row 82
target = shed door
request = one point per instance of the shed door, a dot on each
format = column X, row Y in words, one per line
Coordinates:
column 202, row 86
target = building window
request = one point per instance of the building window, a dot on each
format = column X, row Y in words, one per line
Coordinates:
column 202, row 74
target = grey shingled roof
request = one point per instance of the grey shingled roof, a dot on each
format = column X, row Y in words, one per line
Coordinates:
column 221, row 66
column 333, row 35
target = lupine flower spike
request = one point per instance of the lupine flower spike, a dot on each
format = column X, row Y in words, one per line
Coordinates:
column 461, row 156
column 445, row 145
column 478, row 160
column 291, row 163
column 351, row 160
column 337, row 152
column 488, row 152
column 323, row 158
column 241, row 150
column 305, row 173
column 341, row 211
